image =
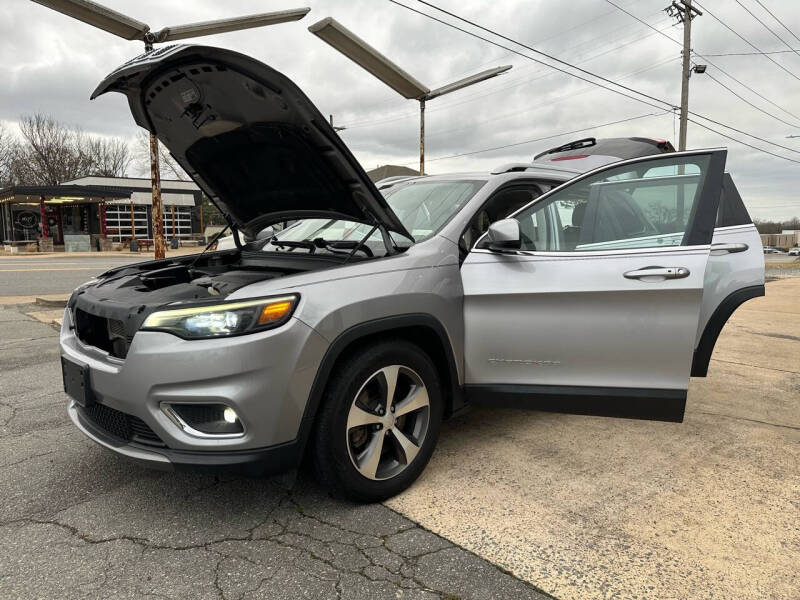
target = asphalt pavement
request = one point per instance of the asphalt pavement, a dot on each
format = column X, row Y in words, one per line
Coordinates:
column 512, row 503
column 52, row 274
column 79, row 522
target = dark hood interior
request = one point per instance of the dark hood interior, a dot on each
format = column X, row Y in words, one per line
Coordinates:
column 265, row 164
column 248, row 136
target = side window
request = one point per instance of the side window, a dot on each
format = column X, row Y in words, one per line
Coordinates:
column 501, row 205
column 633, row 206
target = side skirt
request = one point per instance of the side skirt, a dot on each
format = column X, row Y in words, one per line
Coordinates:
column 626, row 403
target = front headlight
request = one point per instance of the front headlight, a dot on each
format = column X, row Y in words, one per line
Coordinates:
column 218, row 320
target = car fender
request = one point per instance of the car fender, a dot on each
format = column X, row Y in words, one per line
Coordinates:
column 366, row 330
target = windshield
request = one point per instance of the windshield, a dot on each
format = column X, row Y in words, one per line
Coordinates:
column 422, row 206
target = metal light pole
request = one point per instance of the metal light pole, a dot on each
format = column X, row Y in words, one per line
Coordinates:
column 345, row 41
column 130, row 29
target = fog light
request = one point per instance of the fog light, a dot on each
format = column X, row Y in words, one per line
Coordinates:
column 205, row 420
column 229, row 415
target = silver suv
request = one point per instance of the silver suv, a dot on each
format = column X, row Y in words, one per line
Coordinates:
column 350, row 335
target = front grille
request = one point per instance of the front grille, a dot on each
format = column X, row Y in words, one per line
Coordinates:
column 106, row 334
column 122, row 425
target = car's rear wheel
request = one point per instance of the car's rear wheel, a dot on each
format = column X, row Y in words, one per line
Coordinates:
column 379, row 421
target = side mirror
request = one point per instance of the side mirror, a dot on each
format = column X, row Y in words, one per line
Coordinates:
column 265, row 233
column 503, row 236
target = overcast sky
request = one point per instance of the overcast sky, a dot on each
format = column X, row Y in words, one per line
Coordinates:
column 50, row 63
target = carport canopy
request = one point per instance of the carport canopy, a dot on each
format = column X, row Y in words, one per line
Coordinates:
column 60, row 194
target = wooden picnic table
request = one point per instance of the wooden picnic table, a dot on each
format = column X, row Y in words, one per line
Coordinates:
column 144, row 244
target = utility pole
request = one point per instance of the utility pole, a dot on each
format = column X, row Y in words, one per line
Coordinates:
column 159, row 246
column 422, row 136
column 684, row 12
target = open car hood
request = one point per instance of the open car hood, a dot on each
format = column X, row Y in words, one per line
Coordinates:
column 248, row 136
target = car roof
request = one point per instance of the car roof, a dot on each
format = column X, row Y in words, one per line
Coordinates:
column 508, row 171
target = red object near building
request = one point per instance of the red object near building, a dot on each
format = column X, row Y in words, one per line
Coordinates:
column 43, row 212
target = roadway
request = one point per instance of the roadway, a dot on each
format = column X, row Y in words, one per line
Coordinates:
column 22, row 275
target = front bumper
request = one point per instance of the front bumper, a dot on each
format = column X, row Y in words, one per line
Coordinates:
column 260, row 461
column 265, row 377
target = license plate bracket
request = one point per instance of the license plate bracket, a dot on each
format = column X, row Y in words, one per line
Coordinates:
column 76, row 381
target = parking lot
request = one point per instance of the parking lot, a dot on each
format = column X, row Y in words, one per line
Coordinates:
column 78, row 522
column 513, row 505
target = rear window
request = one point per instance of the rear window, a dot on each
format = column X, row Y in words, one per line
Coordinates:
column 731, row 208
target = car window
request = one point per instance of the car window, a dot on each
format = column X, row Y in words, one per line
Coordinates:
column 422, row 206
column 631, row 206
column 425, row 206
column 499, row 206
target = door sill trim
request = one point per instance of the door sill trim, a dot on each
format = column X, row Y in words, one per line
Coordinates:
column 625, row 403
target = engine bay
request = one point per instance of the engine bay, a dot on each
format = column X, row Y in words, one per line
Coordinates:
column 108, row 312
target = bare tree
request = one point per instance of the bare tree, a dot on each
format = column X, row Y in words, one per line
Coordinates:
column 50, row 152
column 7, row 151
column 170, row 169
column 108, row 157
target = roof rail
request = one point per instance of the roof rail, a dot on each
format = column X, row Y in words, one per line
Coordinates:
column 510, row 168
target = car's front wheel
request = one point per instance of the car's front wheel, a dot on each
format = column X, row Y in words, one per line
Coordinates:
column 379, row 421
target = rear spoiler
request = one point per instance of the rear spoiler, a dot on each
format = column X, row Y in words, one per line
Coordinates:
column 576, row 145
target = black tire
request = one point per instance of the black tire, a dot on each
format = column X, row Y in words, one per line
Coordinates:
column 330, row 443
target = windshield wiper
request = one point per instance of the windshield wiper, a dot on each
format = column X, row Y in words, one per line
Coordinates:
column 352, row 245
column 348, row 247
column 307, row 244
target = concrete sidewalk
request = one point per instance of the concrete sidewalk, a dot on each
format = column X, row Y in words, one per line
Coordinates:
column 591, row 507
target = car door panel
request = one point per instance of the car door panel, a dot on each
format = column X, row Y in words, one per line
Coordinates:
column 594, row 306
column 735, row 273
column 586, row 324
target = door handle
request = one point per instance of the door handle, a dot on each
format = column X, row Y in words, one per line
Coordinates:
column 719, row 249
column 657, row 273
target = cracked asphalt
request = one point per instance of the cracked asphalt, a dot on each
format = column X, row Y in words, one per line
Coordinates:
column 79, row 522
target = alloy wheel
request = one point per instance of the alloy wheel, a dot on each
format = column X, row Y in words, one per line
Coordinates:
column 387, row 422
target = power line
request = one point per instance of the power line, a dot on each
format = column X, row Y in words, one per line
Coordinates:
column 549, row 137
column 558, row 34
column 478, row 95
column 748, row 42
column 545, row 54
column 705, row 57
column 778, row 20
column 583, row 70
column 767, row 27
column 755, row 53
column 505, row 81
column 755, row 137
column 663, row 102
column 745, row 100
column 540, row 106
column 738, row 141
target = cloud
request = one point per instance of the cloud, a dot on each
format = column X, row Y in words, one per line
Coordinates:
column 50, row 63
